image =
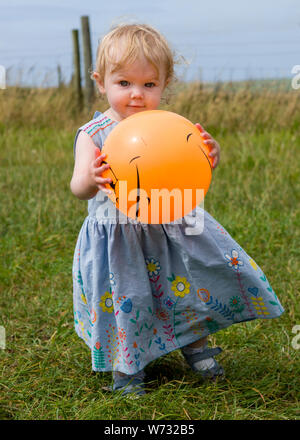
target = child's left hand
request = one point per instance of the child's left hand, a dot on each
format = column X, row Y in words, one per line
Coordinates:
column 211, row 143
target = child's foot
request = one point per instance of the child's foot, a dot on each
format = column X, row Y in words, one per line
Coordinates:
column 201, row 360
column 132, row 385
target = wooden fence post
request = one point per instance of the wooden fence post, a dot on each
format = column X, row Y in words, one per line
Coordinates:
column 76, row 79
column 59, row 77
column 87, row 50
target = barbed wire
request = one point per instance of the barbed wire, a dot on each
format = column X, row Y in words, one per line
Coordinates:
column 35, row 76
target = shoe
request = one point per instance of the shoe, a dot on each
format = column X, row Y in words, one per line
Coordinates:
column 132, row 386
column 214, row 371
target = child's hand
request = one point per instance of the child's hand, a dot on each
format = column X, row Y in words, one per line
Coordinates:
column 212, row 144
column 97, row 167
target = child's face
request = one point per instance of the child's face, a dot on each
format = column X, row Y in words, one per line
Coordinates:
column 133, row 88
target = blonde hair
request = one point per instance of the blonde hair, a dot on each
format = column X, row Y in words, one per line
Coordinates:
column 125, row 43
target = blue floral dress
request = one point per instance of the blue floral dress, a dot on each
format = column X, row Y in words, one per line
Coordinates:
column 142, row 291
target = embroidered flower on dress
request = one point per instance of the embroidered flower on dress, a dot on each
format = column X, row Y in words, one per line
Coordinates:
column 106, row 302
column 211, row 324
column 235, row 304
column 153, row 267
column 111, row 279
column 122, row 334
column 233, row 260
column 162, row 315
column 169, row 302
column 180, row 287
column 203, row 294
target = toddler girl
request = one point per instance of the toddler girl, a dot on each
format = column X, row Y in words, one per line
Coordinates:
column 144, row 290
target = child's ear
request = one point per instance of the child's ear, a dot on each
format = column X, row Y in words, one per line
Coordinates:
column 99, row 82
column 167, row 82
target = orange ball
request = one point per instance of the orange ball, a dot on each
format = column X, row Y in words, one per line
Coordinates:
column 159, row 166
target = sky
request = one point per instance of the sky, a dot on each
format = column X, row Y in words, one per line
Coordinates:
column 219, row 39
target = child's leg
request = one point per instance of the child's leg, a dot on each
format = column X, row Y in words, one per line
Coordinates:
column 201, row 359
column 198, row 343
column 129, row 383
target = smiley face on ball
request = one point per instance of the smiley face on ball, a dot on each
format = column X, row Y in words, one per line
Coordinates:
column 157, row 152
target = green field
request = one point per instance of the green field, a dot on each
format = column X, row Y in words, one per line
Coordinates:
column 45, row 368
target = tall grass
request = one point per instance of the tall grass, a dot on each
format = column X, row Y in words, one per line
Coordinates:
column 221, row 106
column 45, row 370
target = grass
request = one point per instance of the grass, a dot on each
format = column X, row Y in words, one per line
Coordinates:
column 45, row 369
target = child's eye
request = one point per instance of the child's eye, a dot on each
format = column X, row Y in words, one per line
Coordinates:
column 150, row 84
column 124, row 83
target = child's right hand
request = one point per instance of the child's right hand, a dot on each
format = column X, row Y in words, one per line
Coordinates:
column 89, row 166
column 97, row 167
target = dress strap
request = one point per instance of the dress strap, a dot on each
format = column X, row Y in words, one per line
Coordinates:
column 97, row 129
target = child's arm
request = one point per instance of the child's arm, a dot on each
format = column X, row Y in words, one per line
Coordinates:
column 212, row 144
column 87, row 175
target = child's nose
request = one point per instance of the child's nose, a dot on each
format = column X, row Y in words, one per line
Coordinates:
column 136, row 92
